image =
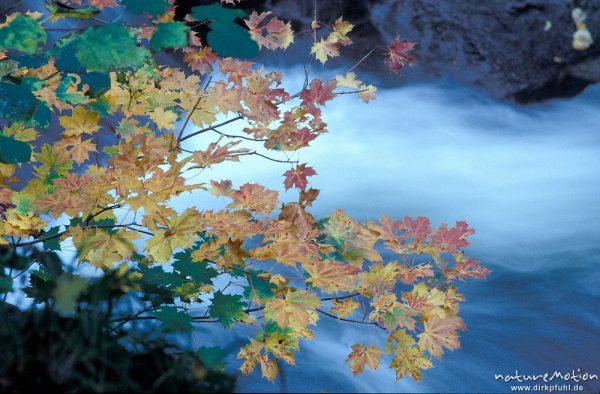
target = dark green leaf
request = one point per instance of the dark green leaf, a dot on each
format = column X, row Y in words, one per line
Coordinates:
column 62, row 91
column 173, row 320
column 54, row 243
column 229, row 39
column 152, row 7
column 17, row 103
column 23, row 34
column 109, row 47
column 13, row 151
column 169, row 35
column 227, row 308
column 31, row 61
column 200, row 272
column 212, row 357
column 5, row 283
column 158, row 277
column 258, row 287
column 216, row 13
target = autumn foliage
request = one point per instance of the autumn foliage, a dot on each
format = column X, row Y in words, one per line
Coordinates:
column 105, row 186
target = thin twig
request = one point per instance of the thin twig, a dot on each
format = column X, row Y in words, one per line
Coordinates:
column 195, row 133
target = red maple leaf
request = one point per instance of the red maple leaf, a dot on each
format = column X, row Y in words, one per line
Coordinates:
column 452, row 239
column 318, row 93
column 398, row 55
column 297, row 176
column 418, row 229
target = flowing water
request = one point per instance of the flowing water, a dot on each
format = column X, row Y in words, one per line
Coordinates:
column 528, row 180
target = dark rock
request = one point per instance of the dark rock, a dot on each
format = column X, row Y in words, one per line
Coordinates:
column 518, row 49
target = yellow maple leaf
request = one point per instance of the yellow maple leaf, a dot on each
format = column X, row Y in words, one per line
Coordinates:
column 344, row 308
column 181, row 232
column 324, row 49
column 296, row 310
column 79, row 122
column 331, row 276
column 408, row 358
column 101, row 248
column 367, row 93
column 438, row 334
column 81, row 149
column 164, row 119
column 362, row 355
column 349, row 80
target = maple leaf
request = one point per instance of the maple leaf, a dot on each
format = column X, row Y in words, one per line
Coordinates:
column 341, row 28
column 200, row 60
column 349, row 80
column 227, row 308
column 101, row 248
column 255, row 198
column 410, row 362
column 163, row 119
column 418, row 229
column 79, row 122
column 409, row 274
column 279, row 35
column 253, row 356
column 181, row 233
column 408, row 359
column 331, row 276
column 362, row 355
column 216, row 153
column 296, row 177
column 173, row 320
column 450, row 240
column 324, row 49
column 223, row 188
column 465, row 267
column 296, row 310
column 330, row 46
column 367, row 93
column 287, row 251
column 318, row 93
column 398, row 55
column 438, row 334
column 81, row 150
column 344, row 308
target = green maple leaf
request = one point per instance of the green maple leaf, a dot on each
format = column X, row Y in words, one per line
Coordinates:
column 24, row 34
column 229, row 39
column 173, row 320
column 216, row 13
column 200, row 272
column 212, row 357
column 258, row 287
column 226, row 308
column 109, row 47
column 152, row 7
column 54, row 243
column 169, row 35
column 13, row 151
column 17, row 103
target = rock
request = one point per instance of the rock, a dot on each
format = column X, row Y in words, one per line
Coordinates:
column 516, row 49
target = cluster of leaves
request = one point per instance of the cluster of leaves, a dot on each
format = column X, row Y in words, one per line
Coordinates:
column 39, row 344
column 126, row 151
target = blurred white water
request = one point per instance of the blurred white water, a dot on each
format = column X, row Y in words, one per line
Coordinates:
column 527, row 178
